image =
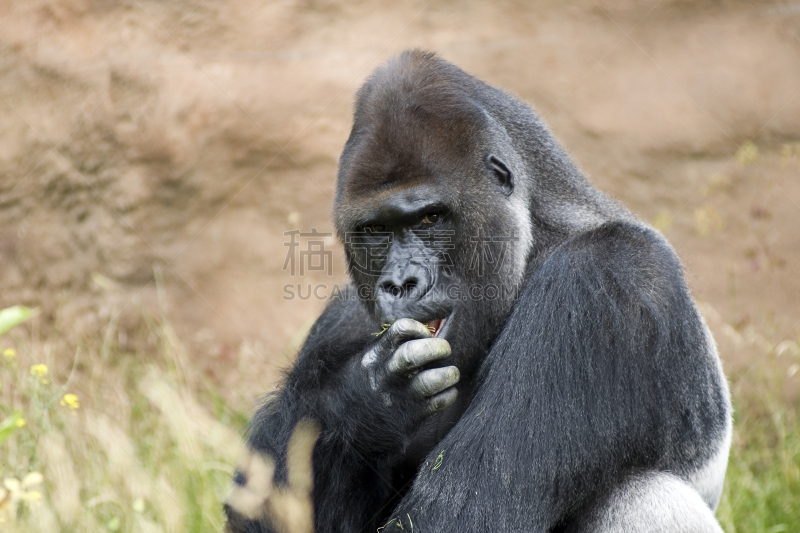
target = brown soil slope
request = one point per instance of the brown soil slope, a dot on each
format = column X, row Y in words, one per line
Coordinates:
column 165, row 147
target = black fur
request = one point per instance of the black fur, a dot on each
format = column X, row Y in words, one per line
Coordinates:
column 595, row 364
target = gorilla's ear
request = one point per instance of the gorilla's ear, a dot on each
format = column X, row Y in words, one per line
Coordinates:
column 501, row 173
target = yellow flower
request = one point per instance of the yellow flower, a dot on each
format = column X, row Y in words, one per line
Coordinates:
column 20, row 423
column 70, row 400
column 9, row 353
column 39, row 370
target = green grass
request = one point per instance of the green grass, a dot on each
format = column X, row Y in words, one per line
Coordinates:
column 144, row 451
column 152, row 446
column 762, row 485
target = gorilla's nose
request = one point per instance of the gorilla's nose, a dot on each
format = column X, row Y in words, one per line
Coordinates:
column 399, row 287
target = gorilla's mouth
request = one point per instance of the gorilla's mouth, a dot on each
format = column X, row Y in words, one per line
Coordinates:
column 436, row 325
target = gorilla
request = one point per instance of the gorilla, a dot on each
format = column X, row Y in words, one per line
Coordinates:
column 515, row 351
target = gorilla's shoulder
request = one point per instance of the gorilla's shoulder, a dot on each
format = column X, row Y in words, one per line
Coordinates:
column 625, row 255
column 623, row 240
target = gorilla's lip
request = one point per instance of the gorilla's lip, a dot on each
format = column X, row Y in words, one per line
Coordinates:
column 436, row 325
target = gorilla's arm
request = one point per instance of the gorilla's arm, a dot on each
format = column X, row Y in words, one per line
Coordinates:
column 367, row 394
column 602, row 370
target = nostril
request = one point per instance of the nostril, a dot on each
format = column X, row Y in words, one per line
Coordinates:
column 398, row 290
column 390, row 288
column 409, row 286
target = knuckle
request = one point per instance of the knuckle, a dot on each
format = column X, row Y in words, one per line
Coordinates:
column 435, row 380
column 431, row 382
column 370, row 358
column 415, row 353
column 437, row 404
column 403, row 324
column 405, row 327
column 433, row 347
column 400, row 361
column 422, row 384
column 420, row 349
column 442, row 400
column 419, row 389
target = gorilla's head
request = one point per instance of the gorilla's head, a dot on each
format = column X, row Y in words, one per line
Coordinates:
column 434, row 203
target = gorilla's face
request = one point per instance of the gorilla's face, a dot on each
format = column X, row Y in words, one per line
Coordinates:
column 435, row 238
column 401, row 258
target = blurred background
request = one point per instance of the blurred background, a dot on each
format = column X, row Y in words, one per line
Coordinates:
column 152, row 155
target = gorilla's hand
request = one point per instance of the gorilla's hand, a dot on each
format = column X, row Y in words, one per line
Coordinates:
column 394, row 366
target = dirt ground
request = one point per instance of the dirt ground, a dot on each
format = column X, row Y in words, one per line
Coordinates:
column 152, row 154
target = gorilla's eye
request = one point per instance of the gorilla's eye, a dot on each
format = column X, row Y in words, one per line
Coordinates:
column 375, row 228
column 431, row 218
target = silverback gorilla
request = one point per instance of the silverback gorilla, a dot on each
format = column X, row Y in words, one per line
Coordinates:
column 516, row 351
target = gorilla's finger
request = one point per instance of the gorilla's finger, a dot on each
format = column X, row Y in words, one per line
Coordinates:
column 433, row 381
column 416, row 353
column 441, row 400
column 403, row 330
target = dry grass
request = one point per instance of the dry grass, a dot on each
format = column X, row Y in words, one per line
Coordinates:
column 145, row 445
column 289, row 508
column 141, row 446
